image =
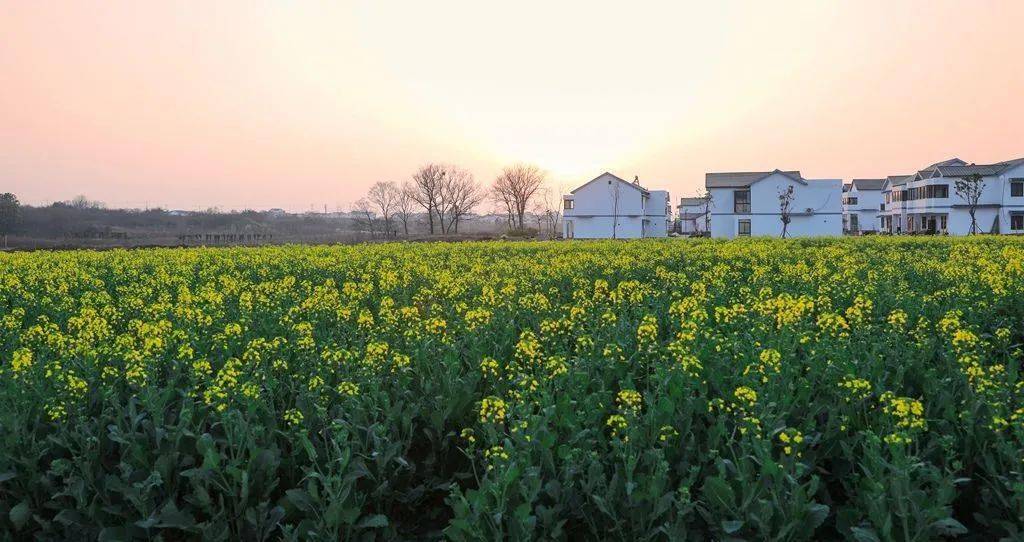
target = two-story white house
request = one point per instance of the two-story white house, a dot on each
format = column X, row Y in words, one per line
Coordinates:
column 692, row 216
column 609, row 207
column 893, row 213
column 927, row 202
column 862, row 203
column 747, row 203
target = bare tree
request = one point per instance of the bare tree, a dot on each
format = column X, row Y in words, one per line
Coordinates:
column 707, row 201
column 970, row 188
column 10, row 212
column 549, row 210
column 515, row 187
column 404, row 206
column 384, row 198
column 82, row 202
column 426, row 190
column 785, row 208
column 503, row 200
column 460, row 194
column 366, row 215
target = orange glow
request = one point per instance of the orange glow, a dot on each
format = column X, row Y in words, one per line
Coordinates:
column 291, row 104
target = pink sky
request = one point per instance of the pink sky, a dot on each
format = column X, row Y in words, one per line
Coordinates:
column 291, row 104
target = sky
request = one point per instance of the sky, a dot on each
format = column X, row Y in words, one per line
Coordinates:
column 300, row 105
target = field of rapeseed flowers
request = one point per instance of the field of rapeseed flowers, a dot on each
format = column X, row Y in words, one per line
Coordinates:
column 864, row 389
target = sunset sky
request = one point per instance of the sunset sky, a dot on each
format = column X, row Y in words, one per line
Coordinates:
column 290, row 104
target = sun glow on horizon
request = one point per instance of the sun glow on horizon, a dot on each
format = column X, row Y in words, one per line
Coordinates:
column 295, row 104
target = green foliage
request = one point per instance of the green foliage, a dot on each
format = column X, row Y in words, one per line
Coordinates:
column 862, row 389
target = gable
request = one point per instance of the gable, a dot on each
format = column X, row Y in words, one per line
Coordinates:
column 605, row 179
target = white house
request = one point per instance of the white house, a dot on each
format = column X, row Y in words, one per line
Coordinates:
column 692, row 216
column 747, row 203
column 862, row 201
column 608, row 207
column 927, row 203
column 893, row 214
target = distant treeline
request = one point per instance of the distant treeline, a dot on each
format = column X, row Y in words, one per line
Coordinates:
column 71, row 224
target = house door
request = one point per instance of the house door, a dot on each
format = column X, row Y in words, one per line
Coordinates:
column 569, row 233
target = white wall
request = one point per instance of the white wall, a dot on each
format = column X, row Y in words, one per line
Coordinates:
column 600, row 227
column 822, row 196
column 639, row 214
column 866, row 208
column 657, row 214
column 995, row 203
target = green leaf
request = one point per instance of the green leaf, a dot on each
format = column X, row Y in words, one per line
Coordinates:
column 863, row 534
column 173, row 518
column 20, row 514
column 718, row 493
column 731, row 527
column 948, row 527
column 816, row 515
column 300, row 499
column 373, row 522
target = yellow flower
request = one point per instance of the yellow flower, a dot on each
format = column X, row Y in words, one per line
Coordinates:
column 897, row 319
column 348, row 389
column 745, row 395
column 492, row 410
column 490, row 367
column 629, row 400
column 617, row 423
column 647, row 332
column 293, row 417
column 21, row 361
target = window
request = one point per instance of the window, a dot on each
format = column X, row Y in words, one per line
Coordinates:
column 1017, row 188
column 744, row 228
column 741, row 202
column 940, row 191
column 1017, row 222
column 570, row 204
column 942, row 222
column 851, row 200
column 854, row 223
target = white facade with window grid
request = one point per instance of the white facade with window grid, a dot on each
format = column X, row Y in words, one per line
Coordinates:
column 927, row 202
column 747, row 204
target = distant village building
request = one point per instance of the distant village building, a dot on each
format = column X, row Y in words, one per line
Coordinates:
column 862, row 203
column 609, row 207
column 747, row 204
column 927, row 203
column 692, row 216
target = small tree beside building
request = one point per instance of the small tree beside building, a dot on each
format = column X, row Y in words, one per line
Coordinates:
column 970, row 188
column 785, row 208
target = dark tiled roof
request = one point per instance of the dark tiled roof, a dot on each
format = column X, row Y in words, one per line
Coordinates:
column 897, row 180
column 960, row 171
column 868, row 184
column 739, row 179
column 950, row 162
